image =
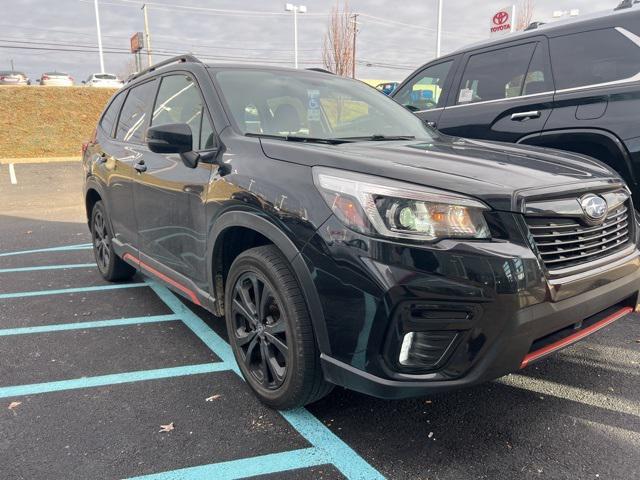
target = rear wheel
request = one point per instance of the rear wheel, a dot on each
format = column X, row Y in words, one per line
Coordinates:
column 111, row 267
column 270, row 330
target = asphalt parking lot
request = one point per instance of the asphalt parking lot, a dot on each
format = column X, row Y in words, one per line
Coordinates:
column 91, row 372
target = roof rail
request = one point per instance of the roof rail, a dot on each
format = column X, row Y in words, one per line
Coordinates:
column 178, row 59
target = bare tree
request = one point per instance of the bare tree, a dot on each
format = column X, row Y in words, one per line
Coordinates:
column 127, row 69
column 525, row 14
column 337, row 49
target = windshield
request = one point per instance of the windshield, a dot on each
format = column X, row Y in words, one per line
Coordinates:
column 105, row 76
column 321, row 106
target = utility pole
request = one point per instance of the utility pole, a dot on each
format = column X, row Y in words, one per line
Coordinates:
column 95, row 4
column 12, row 69
column 355, row 35
column 439, row 30
column 147, row 34
column 290, row 7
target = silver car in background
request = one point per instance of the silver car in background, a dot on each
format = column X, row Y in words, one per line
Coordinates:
column 56, row 79
column 103, row 80
column 9, row 77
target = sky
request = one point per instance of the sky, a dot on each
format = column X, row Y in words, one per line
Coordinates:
column 395, row 36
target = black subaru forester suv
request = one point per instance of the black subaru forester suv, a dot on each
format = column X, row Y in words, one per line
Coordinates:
column 344, row 242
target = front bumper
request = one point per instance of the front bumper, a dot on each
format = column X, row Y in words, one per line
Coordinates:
column 364, row 284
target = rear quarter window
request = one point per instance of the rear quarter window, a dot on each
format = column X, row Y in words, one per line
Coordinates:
column 108, row 120
column 594, row 57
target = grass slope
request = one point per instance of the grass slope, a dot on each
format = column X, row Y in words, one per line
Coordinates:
column 48, row 121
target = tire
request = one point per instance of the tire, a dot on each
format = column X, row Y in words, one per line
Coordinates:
column 110, row 266
column 273, row 325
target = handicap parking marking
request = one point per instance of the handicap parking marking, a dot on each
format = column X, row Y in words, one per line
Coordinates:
column 326, row 447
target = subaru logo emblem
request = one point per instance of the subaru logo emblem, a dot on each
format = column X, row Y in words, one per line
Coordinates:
column 594, row 207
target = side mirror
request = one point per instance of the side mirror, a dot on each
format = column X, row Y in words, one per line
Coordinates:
column 170, row 138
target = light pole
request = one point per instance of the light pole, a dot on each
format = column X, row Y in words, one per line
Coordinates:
column 147, row 34
column 290, row 7
column 439, row 30
column 95, row 4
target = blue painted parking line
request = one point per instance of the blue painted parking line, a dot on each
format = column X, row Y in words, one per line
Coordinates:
column 47, row 267
column 66, row 248
column 112, row 379
column 246, row 467
column 85, row 325
column 96, row 288
column 326, row 448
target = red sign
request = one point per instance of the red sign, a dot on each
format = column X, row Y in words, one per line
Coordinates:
column 501, row 22
column 137, row 42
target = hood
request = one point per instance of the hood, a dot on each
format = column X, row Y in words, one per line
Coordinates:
column 496, row 173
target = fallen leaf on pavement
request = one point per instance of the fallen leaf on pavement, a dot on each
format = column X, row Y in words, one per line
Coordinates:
column 212, row 398
column 166, row 428
column 13, row 405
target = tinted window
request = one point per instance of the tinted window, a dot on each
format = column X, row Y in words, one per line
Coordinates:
column 594, row 57
column 105, row 76
column 495, row 75
column 425, row 90
column 111, row 115
column 538, row 79
column 132, row 119
column 179, row 101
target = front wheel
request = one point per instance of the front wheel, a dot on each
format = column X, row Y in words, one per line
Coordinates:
column 111, row 267
column 270, row 330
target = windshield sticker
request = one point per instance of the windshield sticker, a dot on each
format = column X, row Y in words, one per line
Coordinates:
column 313, row 105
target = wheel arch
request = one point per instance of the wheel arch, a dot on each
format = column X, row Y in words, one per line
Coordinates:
column 265, row 231
column 92, row 194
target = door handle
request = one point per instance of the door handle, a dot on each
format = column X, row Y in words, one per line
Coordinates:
column 140, row 167
column 518, row 117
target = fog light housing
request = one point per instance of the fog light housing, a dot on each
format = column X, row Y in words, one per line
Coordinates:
column 425, row 350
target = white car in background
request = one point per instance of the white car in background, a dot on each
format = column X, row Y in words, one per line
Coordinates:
column 56, row 79
column 103, row 80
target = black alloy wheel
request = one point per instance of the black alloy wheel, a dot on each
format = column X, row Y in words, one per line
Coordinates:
column 260, row 330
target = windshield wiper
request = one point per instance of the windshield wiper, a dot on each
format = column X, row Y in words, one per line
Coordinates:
column 302, row 139
column 379, row 138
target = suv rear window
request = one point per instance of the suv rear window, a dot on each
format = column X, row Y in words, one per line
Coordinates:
column 594, row 57
column 132, row 119
column 495, row 75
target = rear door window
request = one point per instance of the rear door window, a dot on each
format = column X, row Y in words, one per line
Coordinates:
column 179, row 101
column 591, row 58
column 111, row 115
column 133, row 119
column 495, row 75
column 425, row 91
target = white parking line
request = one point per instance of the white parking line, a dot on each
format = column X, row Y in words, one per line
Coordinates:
column 575, row 394
column 12, row 174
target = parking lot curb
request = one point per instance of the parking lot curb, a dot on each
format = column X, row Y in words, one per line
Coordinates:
column 6, row 161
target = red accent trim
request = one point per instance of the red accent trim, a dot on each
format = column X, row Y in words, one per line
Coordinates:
column 536, row 354
column 189, row 293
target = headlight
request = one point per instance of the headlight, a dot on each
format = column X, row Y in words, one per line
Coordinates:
column 378, row 206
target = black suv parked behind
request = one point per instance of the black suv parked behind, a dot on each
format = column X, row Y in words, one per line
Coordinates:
column 345, row 242
column 572, row 85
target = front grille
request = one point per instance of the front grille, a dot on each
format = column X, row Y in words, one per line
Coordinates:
column 563, row 243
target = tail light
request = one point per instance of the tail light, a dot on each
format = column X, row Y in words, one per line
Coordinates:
column 85, row 145
column 45, row 77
